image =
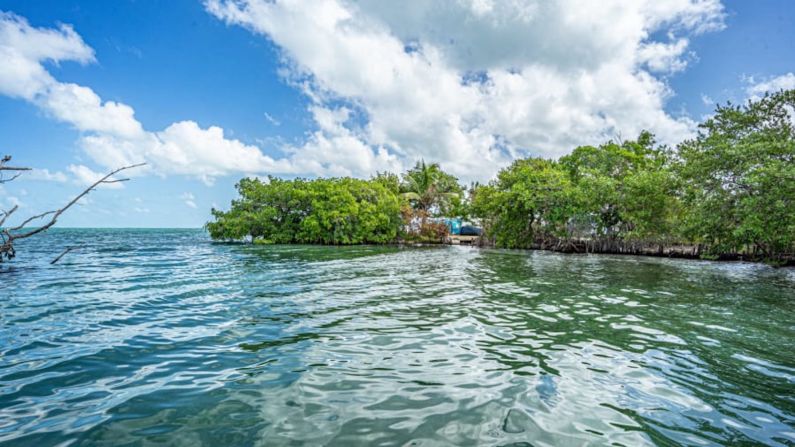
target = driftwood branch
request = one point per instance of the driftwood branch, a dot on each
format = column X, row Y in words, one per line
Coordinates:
column 63, row 253
column 9, row 235
column 57, row 213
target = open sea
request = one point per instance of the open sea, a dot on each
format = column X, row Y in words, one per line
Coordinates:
column 160, row 337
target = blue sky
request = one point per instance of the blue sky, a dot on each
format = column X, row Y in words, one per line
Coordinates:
column 209, row 92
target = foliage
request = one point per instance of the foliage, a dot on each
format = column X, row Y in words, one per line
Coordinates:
column 432, row 190
column 616, row 190
column 529, row 198
column 626, row 188
column 321, row 211
column 727, row 192
column 739, row 178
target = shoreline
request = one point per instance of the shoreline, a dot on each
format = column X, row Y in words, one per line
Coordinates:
column 666, row 253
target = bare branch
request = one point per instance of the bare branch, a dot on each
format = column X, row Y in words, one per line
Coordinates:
column 56, row 214
column 16, row 169
column 4, row 180
column 5, row 160
column 63, row 253
column 8, row 213
column 7, row 235
column 29, row 220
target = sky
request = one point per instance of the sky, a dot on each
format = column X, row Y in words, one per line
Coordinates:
column 207, row 92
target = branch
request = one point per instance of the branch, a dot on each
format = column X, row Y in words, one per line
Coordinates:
column 67, row 250
column 57, row 213
column 13, row 168
column 16, row 169
column 4, row 180
column 8, row 213
column 22, row 225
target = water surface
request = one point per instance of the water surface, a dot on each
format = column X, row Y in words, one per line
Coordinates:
column 158, row 337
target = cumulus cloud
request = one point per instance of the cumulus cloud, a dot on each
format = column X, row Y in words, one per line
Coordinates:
column 111, row 135
column 23, row 49
column 474, row 84
column 757, row 89
column 86, row 176
column 664, row 57
column 47, row 176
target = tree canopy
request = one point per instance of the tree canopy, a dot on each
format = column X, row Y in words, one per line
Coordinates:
column 738, row 177
column 430, row 189
column 729, row 191
column 320, row 211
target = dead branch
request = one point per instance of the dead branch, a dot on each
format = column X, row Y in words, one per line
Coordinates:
column 57, row 213
column 17, row 169
column 9, row 235
column 29, row 220
column 7, row 213
column 63, row 253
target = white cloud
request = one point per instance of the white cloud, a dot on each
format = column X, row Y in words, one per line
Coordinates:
column 474, row 84
column 664, row 57
column 189, row 199
column 112, row 136
column 82, row 108
column 336, row 150
column 23, row 48
column 757, row 89
column 46, row 175
column 86, row 176
column 470, row 83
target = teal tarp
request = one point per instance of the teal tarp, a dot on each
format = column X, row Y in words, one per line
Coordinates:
column 454, row 225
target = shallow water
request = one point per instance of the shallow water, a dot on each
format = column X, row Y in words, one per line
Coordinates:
column 158, row 337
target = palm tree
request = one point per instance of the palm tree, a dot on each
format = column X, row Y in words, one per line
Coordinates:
column 426, row 186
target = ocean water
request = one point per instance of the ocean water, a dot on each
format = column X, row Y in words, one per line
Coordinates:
column 160, row 337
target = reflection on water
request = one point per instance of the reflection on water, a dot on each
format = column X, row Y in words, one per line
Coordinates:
column 159, row 337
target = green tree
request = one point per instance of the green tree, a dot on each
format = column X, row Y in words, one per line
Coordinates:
column 626, row 187
column 730, row 190
column 616, row 192
column 320, row 211
column 533, row 198
column 430, row 190
column 739, row 178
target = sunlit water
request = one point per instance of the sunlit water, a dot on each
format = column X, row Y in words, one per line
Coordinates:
column 158, row 337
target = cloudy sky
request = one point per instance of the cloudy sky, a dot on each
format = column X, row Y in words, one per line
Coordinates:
column 208, row 92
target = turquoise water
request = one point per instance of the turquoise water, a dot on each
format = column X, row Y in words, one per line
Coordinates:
column 158, row 337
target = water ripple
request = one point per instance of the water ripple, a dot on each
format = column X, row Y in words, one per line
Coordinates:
column 160, row 337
